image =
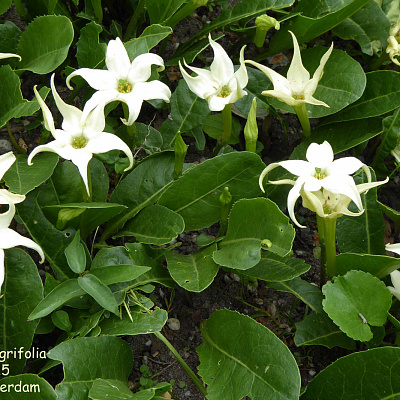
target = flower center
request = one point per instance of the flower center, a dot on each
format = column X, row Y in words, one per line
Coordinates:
column 124, row 86
column 79, row 142
column 224, row 92
column 319, row 174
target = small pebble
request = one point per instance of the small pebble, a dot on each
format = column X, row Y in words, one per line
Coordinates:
column 187, row 394
column 312, row 372
column 5, row 146
column 174, row 324
column 148, row 343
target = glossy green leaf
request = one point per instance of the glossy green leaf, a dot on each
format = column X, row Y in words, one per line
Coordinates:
column 365, row 26
column 187, row 111
column 243, row 10
column 235, row 360
column 389, row 140
column 89, row 52
column 379, row 266
column 365, row 233
column 319, row 330
column 61, row 294
column 275, row 268
column 118, row 273
column 394, row 215
column 356, row 301
column 195, row 195
column 75, row 254
column 306, row 27
column 13, row 105
column 61, row 320
column 149, row 38
column 141, row 187
column 371, row 374
column 213, row 126
column 142, row 323
column 52, row 241
column 160, row 10
column 303, row 290
column 148, row 137
column 342, row 83
column 380, row 96
column 86, row 359
column 254, row 224
column 194, row 272
column 9, row 36
column 41, row 50
column 21, row 290
column 99, row 291
column 38, row 388
column 155, row 225
column 111, row 390
column 22, row 178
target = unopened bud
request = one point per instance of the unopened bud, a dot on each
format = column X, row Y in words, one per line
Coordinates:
column 251, row 128
column 264, row 23
column 226, row 197
column 180, row 154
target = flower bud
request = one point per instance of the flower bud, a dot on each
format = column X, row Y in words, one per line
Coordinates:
column 264, row 23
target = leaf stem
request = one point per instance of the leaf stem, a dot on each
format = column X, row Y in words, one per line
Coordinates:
column 18, row 148
column 327, row 239
column 181, row 361
column 301, row 112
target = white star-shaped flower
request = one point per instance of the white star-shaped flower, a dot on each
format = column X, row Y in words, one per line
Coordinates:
column 79, row 137
column 10, row 238
column 220, row 85
column 297, row 88
column 123, row 81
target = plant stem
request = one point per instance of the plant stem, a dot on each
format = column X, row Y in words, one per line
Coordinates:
column 18, row 148
column 301, row 112
column 191, row 374
column 327, row 238
column 227, row 124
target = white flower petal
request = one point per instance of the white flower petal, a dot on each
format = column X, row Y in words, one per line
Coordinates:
column 100, row 99
column 81, row 158
column 6, row 217
column 395, row 277
column 140, row 70
column 311, row 100
column 152, row 90
column 99, row 79
column 47, row 116
column 217, row 103
column 7, row 197
column 364, row 187
column 395, row 248
column 313, row 83
column 2, row 272
column 394, row 292
column 298, row 167
column 9, row 55
column 312, row 184
column 94, row 123
column 105, row 141
column 6, row 160
column 344, row 166
column 285, row 98
column 297, row 75
column 198, row 85
column 293, row 195
column 54, row 147
column 241, row 73
column 72, row 115
column 117, row 59
column 222, row 66
column 320, row 155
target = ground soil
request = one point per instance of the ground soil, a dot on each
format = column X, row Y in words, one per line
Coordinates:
column 277, row 311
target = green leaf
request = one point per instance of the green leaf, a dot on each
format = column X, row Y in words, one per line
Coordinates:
column 99, row 291
column 243, row 10
column 235, row 360
column 5, row 5
column 86, row 359
column 13, row 105
column 61, row 320
column 213, row 126
column 38, row 388
column 371, row 374
column 367, row 25
column 52, row 241
column 155, row 225
column 118, row 273
column 75, row 254
column 389, row 140
column 305, row 27
column 380, row 96
column 356, row 301
column 187, row 111
column 41, row 50
column 148, row 137
column 160, row 10
column 303, row 290
column 89, row 52
column 22, row 178
column 275, row 268
column 142, row 323
column 111, row 390
column 195, row 195
column 61, row 294
column 149, row 38
column 141, row 187
column 379, row 266
column 342, row 83
column 194, row 272
column 21, row 290
column 251, row 223
column 390, row 213
column 319, row 330
column 9, row 36
column 365, row 233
